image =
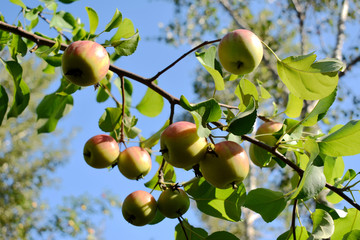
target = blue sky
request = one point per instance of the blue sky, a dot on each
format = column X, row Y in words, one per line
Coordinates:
column 150, row 57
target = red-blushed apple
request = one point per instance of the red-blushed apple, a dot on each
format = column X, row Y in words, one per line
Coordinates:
column 226, row 165
column 85, row 63
column 139, row 208
column 134, row 162
column 181, row 146
column 101, row 151
column 259, row 156
column 240, row 51
column 173, row 203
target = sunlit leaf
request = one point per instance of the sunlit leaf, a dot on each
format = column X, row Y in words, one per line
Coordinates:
column 125, row 30
column 306, row 79
column 323, row 224
column 294, row 106
column 115, row 21
column 169, row 175
column 208, row 60
column 151, row 104
column 343, row 142
column 301, row 234
column 192, row 233
column 220, row 203
column 127, row 46
column 93, row 19
column 347, row 224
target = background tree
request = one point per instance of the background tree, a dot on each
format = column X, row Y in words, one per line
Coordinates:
column 28, row 161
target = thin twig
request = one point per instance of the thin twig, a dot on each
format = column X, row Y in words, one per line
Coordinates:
column 123, row 109
column 181, row 57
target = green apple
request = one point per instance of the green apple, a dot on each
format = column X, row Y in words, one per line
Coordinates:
column 181, row 146
column 260, row 157
column 226, row 165
column 134, row 162
column 85, row 63
column 139, row 208
column 101, row 151
column 240, row 51
column 173, row 203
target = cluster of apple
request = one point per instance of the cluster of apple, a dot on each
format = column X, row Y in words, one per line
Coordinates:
column 224, row 164
column 102, row 151
column 139, row 207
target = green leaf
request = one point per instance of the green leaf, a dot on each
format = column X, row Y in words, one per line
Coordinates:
column 128, row 46
column 4, row 99
column 102, row 94
column 323, row 224
column 192, row 233
column 244, row 121
column 21, row 90
column 110, row 120
column 203, row 113
column 319, row 110
column 93, row 19
column 269, row 204
column 63, row 20
column 53, row 107
column 343, row 142
column 312, row 182
column 333, row 168
column 151, row 104
column 115, row 21
column 154, row 139
column 348, row 176
column 208, row 60
column 301, row 234
column 220, row 203
column 347, row 224
column 19, row 3
column 221, row 235
column 129, row 126
column 125, row 30
column 246, row 91
column 353, row 235
column 169, row 175
column 54, row 61
column 294, row 106
column 306, row 79
column 17, row 46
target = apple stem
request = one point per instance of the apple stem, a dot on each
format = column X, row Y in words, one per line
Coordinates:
column 272, row 51
column 234, row 186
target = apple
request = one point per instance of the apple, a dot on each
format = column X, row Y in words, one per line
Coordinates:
column 139, row 208
column 173, row 203
column 101, row 151
column 240, row 51
column 226, row 165
column 181, row 146
column 85, row 63
column 134, row 162
column 260, row 157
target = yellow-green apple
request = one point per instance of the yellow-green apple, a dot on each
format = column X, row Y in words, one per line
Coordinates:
column 139, row 208
column 134, row 162
column 181, row 146
column 101, row 151
column 240, row 51
column 226, row 165
column 85, row 63
column 173, row 203
column 259, row 156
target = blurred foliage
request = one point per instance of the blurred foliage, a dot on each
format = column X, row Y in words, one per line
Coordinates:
column 28, row 161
